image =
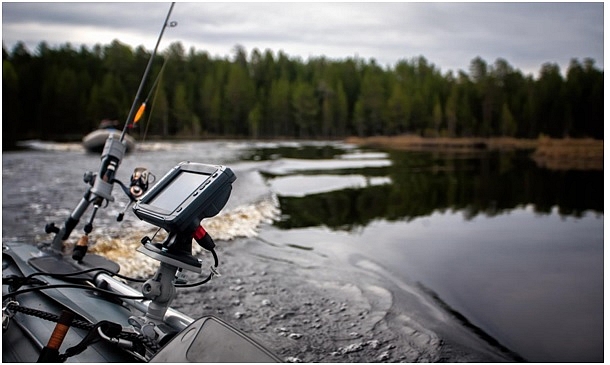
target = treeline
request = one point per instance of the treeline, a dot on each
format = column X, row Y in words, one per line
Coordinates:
column 66, row 92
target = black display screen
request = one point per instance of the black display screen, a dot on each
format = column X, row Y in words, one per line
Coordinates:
column 180, row 188
column 185, row 195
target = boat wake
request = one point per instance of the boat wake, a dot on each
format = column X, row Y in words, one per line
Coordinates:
column 242, row 221
column 38, row 145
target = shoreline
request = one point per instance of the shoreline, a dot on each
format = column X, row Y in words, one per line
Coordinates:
column 559, row 154
column 551, row 153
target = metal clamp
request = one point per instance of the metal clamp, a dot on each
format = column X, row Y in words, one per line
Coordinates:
column 7, row 314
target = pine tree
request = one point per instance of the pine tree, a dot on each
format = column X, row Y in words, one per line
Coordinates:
column 11, row 111
column 280, row 109
column 305, row 108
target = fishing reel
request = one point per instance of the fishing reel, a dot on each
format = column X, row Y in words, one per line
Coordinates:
column 139, row 182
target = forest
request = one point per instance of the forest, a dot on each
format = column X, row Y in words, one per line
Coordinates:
column 63, row 93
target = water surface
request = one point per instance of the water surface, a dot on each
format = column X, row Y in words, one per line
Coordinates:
column 511, row 251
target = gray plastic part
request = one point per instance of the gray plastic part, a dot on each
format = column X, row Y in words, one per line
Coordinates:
column 209, row 339
column 103, row 189
column 114, row 147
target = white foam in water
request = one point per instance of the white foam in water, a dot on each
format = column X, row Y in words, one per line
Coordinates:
column 289, row 165
column 50, row 146
column 364, row 155
column 243, row 221
column 240, row 222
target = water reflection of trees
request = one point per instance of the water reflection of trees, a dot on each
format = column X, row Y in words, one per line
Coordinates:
column 303, row 151
column 422, row 183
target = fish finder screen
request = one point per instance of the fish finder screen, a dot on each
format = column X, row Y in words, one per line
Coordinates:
column 187, row 194
column 178, row 190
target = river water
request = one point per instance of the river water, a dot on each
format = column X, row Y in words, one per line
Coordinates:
column 512, row 252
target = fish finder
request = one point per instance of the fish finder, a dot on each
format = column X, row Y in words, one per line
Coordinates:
column 187, row 194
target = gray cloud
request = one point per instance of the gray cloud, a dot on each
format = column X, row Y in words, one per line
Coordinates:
column 449, row 35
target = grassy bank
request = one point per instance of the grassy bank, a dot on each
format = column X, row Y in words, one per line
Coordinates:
column 555, row 154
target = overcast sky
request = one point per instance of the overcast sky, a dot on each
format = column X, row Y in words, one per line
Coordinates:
column 449, row 35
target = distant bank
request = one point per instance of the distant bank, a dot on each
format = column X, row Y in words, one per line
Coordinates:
column 552, row 153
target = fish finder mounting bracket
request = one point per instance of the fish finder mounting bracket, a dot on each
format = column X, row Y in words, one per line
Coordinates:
column 187, row 194
column 177, row 203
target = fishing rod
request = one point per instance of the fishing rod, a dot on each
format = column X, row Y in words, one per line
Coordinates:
column 101, row 184
column 133, row 117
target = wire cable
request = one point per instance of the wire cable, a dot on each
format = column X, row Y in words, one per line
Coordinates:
column 101, row 269
column 195, row 284
column 70, row 286
column 210, row 276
